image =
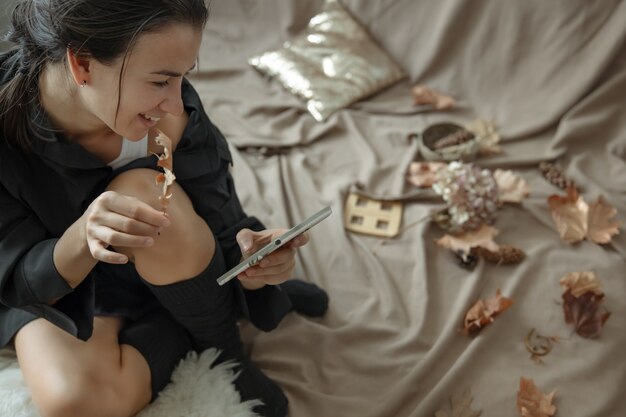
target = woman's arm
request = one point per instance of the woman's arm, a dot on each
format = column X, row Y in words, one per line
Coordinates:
column 72, row 257
column 28, row 276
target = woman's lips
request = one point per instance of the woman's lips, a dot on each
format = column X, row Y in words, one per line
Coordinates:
column 149, row 121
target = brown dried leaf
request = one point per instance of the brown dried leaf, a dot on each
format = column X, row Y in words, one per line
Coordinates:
column 582, row 282
column 460, row 407
column 487, row 136
column 512, row 188
column 570, row 215
column 533, row 403
column 586, row 313
column 538, row 345
column 424, row 174
column 424, row 95
column 167, row 177
column 464, row 242
column 576, row 220
column 600, row 227
column 483, row 312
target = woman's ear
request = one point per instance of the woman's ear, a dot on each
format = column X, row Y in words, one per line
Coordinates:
column 79, row 67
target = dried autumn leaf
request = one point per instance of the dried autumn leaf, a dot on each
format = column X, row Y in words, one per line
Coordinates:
column 512, row 188
column 538, row 345
column 487, row 136
column 464, row 242
column 600, row 226
column 167, row 177
column 484, row 312
column 424, row 174
column 581, row 282
column 575, row 220
column 533, row 403
column 586, row 313
column 460, row 407
column 425, row 95
column 570, row 215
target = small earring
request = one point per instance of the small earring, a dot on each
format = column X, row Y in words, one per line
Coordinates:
column 83, row 84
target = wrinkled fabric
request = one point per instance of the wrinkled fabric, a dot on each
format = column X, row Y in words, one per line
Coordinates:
column 552, row 76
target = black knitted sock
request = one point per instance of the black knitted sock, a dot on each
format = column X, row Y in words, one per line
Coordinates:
column 252, row 383
column 307, row 299
column 208, row 311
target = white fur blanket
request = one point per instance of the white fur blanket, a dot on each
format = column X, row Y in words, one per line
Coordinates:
column 197, row 389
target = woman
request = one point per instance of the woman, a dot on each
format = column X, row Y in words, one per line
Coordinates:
column 101, row 292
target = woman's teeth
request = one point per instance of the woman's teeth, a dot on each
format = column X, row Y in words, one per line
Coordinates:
column 151, row 118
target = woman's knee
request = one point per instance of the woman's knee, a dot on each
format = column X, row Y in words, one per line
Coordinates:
column 64, row 393
column 76, row 378
column 183, row 249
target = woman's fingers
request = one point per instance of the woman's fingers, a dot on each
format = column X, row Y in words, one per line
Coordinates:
column 129, row 225
column 117, row 220
column 279, row 264
column 101, row 253
column 133, row 208
column 112, row 237
column 281, row 256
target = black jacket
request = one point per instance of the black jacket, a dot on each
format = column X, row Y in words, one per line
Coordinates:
column 43, row 192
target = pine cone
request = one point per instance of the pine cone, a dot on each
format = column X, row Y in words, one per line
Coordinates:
column 506, row 255
column 554, row 175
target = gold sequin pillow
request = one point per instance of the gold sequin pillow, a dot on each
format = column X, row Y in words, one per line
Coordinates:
column 332, row 64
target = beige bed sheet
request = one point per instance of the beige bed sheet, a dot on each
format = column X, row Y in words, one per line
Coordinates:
column 552, row 75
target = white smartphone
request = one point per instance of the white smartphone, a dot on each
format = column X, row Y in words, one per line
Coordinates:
column 276, row 243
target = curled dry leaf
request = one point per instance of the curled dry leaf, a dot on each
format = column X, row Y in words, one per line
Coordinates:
column 533, row 403
column 512, row 188
column 575, row 220
column 424, row 95
column 586, row 313
column 484, row 312
column 487, row 136
column 166, row 178
column 538, row 345
column 424, row 174
column 570, row 215
column 600, row 226
column 463, row 243
column 583, row 303
column 460, row 407
column 581, row 282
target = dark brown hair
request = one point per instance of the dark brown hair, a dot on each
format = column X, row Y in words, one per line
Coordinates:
column 105, row 30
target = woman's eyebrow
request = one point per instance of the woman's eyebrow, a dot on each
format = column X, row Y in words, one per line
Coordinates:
column 169, row 73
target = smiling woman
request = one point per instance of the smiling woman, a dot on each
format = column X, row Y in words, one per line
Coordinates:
column 117, row 291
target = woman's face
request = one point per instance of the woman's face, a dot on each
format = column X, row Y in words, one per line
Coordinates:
column 151, row 82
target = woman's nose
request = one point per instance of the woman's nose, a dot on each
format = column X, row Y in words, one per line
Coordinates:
column 173, row 103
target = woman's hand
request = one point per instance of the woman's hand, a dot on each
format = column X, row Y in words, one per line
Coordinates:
column 275, row 268
column 114, row 219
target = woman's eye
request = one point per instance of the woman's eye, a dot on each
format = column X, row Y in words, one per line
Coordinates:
column 160, row 83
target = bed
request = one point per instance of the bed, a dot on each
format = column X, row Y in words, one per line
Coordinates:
column 552, row 77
